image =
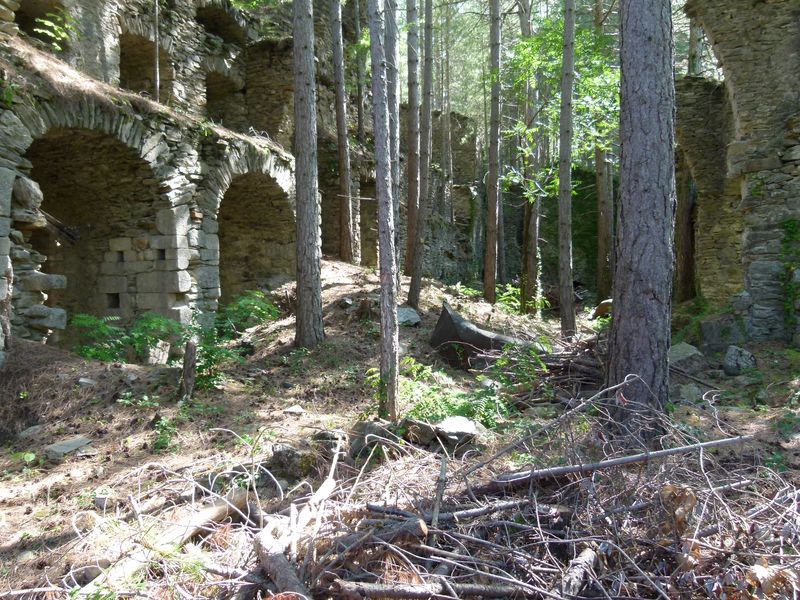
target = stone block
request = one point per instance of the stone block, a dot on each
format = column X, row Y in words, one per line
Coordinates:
column 687, row 358
column 5, row 226
column 173, row 221
column 169, row 241
column 208, row 277
column 120, row 244
column 792, row 154
column 33, row 219
column 5, row 246
column 13, row 133
column 55, row 319
column 153, row 301
column 59, row 450
column 37, row 281
column 27, row 194
column 7, row 177
column 112, row 284
column 163, row 281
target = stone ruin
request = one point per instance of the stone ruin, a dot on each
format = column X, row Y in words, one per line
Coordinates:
column 740, row 142
column 113, row 203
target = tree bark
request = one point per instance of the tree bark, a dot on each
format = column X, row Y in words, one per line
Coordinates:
column 447, row 146
column 529, row 285
column 493, row 182
column 412, row 19
column 309, row 331
column 566, row 291
column 393, row 96
column 640, row 331
column 605, row 205
column 360, row 75
column 346, row 252
column 415, row 288
column 686, row 193
column 390, row 346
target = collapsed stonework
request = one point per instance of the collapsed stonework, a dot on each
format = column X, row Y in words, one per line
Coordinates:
column 741, row 140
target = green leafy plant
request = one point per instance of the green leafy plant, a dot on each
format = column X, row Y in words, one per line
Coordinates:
column 165, row 431
column 8, row 93
column 57, row 28
column 213, row 354
column 152, row 328
column 246, row 310
column 98, row 338
column 128, row 399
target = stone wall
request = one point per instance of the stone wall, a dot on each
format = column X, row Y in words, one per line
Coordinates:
column 758, row 46
column 109, row 204
column 704, row 129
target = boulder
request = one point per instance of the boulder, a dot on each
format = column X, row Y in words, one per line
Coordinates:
column 27, row 194
column 737, row 361
column 407, row 316
column 687, row 358
column 365, row 434
column 418, row 432
column 720, row 331
column 458, row 434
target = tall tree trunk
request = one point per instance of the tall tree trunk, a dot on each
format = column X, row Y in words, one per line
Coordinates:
column 640, row 330
column 412, row 20
column 684, row 288
column 393, row 95
column 529, row 285
column 157, row 64
column 447, row 142
column 415, row 288
column 493, row 183
column 360, row 75
column 309, row 331
column 605, row 205
column 346, row 230
column 390, row 346
column 566, row 291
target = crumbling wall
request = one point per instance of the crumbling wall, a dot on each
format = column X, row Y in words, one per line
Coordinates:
column 758, row 46
column 704, row 130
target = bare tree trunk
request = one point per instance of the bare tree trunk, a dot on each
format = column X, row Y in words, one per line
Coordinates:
column 390, row 346
column 412, row 20
column 393, row 95
column 529, row 285
column 345, row 203
column 415, row 288
column 566, row 291
column 640, row 330
column 605, row 206
column 309, row 331
column 157, row 64
column 360, row 75
column 684, row 288
column 493, row 183
column 447, row 142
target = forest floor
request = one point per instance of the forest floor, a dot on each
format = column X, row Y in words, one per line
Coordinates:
column 152, row 460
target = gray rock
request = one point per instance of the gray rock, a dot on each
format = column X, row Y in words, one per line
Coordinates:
column 30, row 432
column 741, row 302
column 86, row 382
column 59, row 450
column 366, row 434
column 690, row 392
column 407, row 316
column 158, row 354
column 295, row 410
column 459, row 433
column 418, row 432
column 27, row 194
column 687, row 358
column 737, row 361
column 346, row 302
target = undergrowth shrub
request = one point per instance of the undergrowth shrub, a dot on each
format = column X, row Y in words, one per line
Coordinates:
column 246, row 310
column 99, row 339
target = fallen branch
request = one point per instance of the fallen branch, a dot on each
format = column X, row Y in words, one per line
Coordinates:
column 522, row 477
column 165, row 541
column 270, row 544
column 415, row 529
column 412, row 591
column 577, row 573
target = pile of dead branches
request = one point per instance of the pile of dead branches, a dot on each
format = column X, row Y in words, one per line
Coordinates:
column 585, row 517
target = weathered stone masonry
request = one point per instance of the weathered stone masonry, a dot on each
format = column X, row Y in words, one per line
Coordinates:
column 758, row 187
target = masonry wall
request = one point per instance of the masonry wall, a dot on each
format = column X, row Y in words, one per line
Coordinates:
column 758, row 46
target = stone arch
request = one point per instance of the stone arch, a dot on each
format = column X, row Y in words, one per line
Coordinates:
column 225, row 95
column 248, row 226
column 93, row 228
column 137, row 69
column 220, row 19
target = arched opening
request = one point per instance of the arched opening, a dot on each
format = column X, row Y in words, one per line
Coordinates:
column 96, row 227
column 369, row 223
column 225, row 102
column 46, row 16
column 137, row 67
column 218, row 22
column 256, row 236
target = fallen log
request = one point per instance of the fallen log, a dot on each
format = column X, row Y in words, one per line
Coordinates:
column 510, row 480
column 165, row 541
column 412, row 591
column 270, row 544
